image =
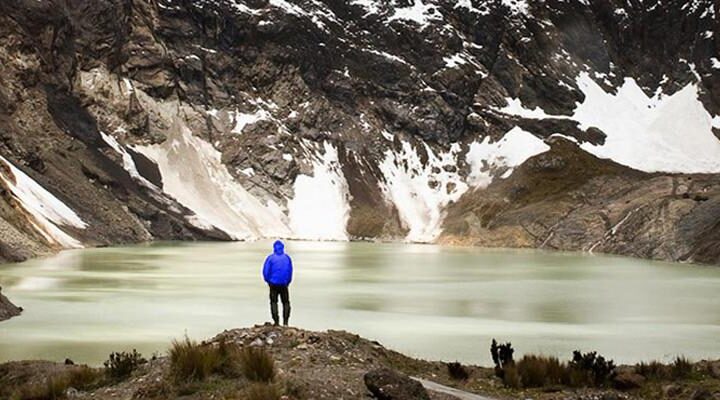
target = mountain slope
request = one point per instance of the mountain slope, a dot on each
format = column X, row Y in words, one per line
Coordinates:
column 232, row 119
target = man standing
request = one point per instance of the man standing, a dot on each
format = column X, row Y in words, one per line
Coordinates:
column 277, row 272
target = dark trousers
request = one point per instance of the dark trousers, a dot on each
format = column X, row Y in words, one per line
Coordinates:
column 282, row 291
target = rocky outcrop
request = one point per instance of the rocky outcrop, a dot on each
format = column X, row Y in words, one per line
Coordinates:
column 566, row 199
column 124, row 121
column 8, row 309
column 387, row 384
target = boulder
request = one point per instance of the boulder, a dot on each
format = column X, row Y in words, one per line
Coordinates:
column 672, row 390
column 701, row 394
column 627, row 380
column 388, row 384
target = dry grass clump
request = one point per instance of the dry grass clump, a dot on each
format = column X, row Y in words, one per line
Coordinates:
column 257, row 365
column 654, row 370
column 539, row 371
column 54, row 387
column 681, row 368
column 192, row 361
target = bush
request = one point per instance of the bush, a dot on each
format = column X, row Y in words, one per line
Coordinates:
column 681, row 368
column 262, row 391
column 594, row 370
column 457, row 371
column 190, row 361
column 257, row 365
column 539, row 371
column 121, row 365
column 502, row 355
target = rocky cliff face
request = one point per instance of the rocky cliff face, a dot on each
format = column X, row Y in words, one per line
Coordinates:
column 582, row 125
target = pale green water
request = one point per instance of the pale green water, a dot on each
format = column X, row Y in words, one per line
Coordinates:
column 427, row 301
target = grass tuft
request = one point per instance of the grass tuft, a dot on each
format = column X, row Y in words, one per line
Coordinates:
column 539, row 371
column 257, row 365
column 654, row 370
column 681, row 368
column 191, row 361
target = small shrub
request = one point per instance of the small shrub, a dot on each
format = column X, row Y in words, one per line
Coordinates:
column 653, row 370
column 502, row 355
column 257, row 365
column 681, row 368
column 457, row 371
column 190, row 361
column 262, row 391
column 596, row 369
column 538, row 371
column 121, row 365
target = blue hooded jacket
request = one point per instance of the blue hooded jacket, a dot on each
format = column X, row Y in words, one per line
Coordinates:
column 278, row 267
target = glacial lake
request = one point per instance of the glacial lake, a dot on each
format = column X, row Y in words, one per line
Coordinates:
column 426, row 301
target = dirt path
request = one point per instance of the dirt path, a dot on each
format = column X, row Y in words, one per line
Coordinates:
column 459, row 394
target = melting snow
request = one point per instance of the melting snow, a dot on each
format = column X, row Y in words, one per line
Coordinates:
column 47, row 211
column 660, row 133
column 486, row 158
column 194, row 175
column 421, row 191
column 320, row 209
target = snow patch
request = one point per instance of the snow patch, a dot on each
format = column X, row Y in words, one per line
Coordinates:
column 516, row 108
column 421, row 191
column 517, row 6
column 128, row 163
column 193, row 173
column 370, row 6
column 47, row 211
column 243, row 119
column 420, row 13
column 662, row 133
column 320, row 208
column 486, row 159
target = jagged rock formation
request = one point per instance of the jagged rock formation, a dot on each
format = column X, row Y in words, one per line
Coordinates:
column 8, row 309
column 125, row 121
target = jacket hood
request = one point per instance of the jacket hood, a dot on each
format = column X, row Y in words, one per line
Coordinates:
column 279, row 247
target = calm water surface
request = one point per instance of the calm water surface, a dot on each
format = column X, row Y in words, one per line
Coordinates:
column 427, row 301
